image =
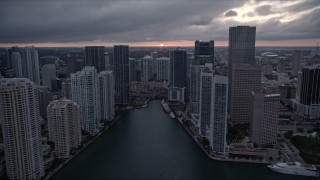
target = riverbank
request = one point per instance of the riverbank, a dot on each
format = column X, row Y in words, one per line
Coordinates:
column 50, row 174
column 207, row 150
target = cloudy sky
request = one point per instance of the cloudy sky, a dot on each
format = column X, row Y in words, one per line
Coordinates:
column 155, row 22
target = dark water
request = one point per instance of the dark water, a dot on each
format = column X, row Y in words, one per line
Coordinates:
column 148, row 144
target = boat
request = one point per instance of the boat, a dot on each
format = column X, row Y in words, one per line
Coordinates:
column 165, row 106
column 295, row 168
column 172, row 115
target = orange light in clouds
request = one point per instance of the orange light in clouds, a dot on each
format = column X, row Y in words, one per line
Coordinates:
column 161, row 45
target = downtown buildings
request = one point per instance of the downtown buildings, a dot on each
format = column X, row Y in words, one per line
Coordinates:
column 163, row 69
column 265, row 117
column 95, row 56
column 20, row 120
column 307, row 102
column 244, row 74
column 24, row 62
column 121, row 74
column 94, row 93
column 64, row 126
column 213, row 110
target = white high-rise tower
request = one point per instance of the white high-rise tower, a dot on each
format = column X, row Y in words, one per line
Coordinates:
column 20, row 119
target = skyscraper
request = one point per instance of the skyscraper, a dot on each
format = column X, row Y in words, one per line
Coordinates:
column 244, row 75
column 86, row 93
column 17, row 64
column 44, row 97
column 154, row 56
column 297, row 60
column 163, row 69
column 66, row 88
column 134, row 69
column 147, row 68
column 307, row 102
column 203, row 52
column 106, row 82
column 245, row 78
column 95, row 56
column 178, row 68
column 195, row 78
column 242, row 41
column 121, row 74
column 64, row 126
column 265, row 116
column 20, row 120
column 30, row 64
column 48, row 73
column 213, row 110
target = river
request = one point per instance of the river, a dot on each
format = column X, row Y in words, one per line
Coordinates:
column 148, row 144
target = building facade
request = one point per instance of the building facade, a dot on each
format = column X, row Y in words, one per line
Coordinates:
column 265, row 117
column 178, row 68
column 20, row 120
column 95, row 56
column 297, row 60
column 48, row 73
column 213, row 111
column 245, row 78
column 203, row 52
column 106, row 83
column 86, row 93
column 163, row 69
column 147, row 68
column 121, row 74
column 64, row 126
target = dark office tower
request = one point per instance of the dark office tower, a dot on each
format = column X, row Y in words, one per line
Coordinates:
column 121, row 74
column 79, row 64
column 178, row 68
column 309, row 86
column 242, row 45
column 95, row 57
column 133, row 69
column 9, row 61
column 203, row 52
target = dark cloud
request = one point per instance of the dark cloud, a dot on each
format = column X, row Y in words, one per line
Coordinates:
column 38, row 21
column 231, row 13
column 263, row 10
column 201, row 21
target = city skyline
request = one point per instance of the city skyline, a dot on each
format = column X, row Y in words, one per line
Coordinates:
column 178, row 23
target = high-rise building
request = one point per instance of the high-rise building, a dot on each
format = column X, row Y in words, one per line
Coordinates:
column 79, row 64
column 48, row 73
column 195, row 78
column 244, row 74
column 20, row 120
column 30, row 64
column 163, row 69
column 265, row 117
column 86, row 93
column 307, row 102
column 297, row 60
column 134, row 69
column 64, row 126
column 95, row 56
column 44, row 97
column 242, row 40
column 121, row 74
column 107, row 61
column 66, row 88
column 245, row 78
column 17, row 64
column 213, row 110
column 203, row 52
column 178, row 68
column 147, row 68
column 309, row 86
column 106, row 83
column 154, row 56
